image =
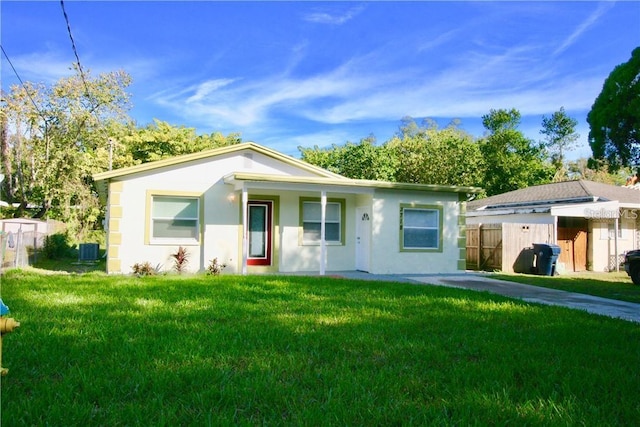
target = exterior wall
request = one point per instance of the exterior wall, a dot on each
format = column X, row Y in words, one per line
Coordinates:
column 386, row 256
column 296, row 257
column 221, row 219
column 603, row 245
column 220, row 211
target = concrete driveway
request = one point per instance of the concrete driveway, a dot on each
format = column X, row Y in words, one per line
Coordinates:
column 481, row 282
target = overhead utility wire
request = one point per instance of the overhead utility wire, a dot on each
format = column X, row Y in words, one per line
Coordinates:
column 75, row 51
column 22, row 83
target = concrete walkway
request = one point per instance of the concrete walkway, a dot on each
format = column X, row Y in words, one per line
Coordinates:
column 481, row 282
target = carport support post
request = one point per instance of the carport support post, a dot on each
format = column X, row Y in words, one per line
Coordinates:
column 323, row 245
column 245, row 230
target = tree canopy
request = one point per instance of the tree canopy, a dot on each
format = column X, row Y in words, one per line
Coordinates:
column 417, row 154
column 512, row 161
column 429, row 155
column 614, row 118
column 59, row 134
column 560, row 134
column 364, row 160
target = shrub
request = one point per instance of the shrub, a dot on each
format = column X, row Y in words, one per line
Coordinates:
column 180, row 260
column 145, row 269
column 215, row 268
column 56, row 246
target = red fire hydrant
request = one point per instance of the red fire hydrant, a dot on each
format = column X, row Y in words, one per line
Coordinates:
column 7, row 324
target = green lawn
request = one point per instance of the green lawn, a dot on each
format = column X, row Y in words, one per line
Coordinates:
column 607, row 285
column 256, row 350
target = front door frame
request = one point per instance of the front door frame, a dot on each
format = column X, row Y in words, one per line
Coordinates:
column 243, row 248
column 363, row 238
column 268, row 231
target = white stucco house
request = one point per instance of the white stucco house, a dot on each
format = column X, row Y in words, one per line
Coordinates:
column 260, row 211
column 592, row 223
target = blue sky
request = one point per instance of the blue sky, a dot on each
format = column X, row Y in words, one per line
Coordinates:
column 289, row 74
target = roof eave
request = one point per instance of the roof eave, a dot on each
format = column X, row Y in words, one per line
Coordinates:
column 341, row 181
column 211, row 153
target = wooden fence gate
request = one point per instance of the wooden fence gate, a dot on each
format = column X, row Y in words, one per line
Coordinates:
column 484, row 247
column 504, row 247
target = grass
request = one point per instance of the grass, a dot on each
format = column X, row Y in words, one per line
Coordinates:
column 71, row 265
column 269, row 350
column 607, row 285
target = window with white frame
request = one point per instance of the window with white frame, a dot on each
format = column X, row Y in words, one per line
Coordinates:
column 421, row 228
column 175, row 218
column 311, row 214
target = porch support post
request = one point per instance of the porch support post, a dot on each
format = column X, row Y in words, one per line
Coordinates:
column 245, row 230
column 323, row 243
column 616, row 222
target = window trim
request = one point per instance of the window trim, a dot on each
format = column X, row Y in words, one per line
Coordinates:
column 341, row 202
column 439, row 209
column 148, row 233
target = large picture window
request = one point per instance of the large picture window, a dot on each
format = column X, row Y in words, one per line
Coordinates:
column 421, row 228
column 311, row 214
column 175, row 218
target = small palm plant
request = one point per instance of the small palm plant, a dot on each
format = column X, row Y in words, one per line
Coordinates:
column 180, row 260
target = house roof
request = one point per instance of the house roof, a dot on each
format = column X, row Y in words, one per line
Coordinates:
column 321, row 176
column 213, row 153
column 101, row 179
column 566, row 192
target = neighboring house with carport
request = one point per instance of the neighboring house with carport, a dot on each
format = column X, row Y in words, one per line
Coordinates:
column 592, row 223
column 257, row 211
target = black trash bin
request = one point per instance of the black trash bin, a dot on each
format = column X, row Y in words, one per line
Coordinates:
column 546, row 257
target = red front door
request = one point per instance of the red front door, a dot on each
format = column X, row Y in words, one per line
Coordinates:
column 259, row 218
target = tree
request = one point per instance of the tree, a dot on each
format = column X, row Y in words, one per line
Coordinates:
column 429, row 155
column 417, row 154
column 160, row 140
column 364, row 160
column 56, row 135
column 501, row 120
column 512, row 161
column 592, row 170
column 560, row 135
column 614, row 118
column 326, row 158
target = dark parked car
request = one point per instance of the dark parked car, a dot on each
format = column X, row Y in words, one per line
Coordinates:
column 632, row 265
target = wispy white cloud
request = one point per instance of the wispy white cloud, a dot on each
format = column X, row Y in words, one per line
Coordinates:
column 333, row 18
column 518, row 77
column 203, row 90
column 46, row 67
column 438, row 41
column 584, row 26
column 244, row 102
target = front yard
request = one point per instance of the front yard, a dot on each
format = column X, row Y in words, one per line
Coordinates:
column 254, row 350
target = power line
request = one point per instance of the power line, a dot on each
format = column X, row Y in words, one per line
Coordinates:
column 22, row 83
column 75, row 51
